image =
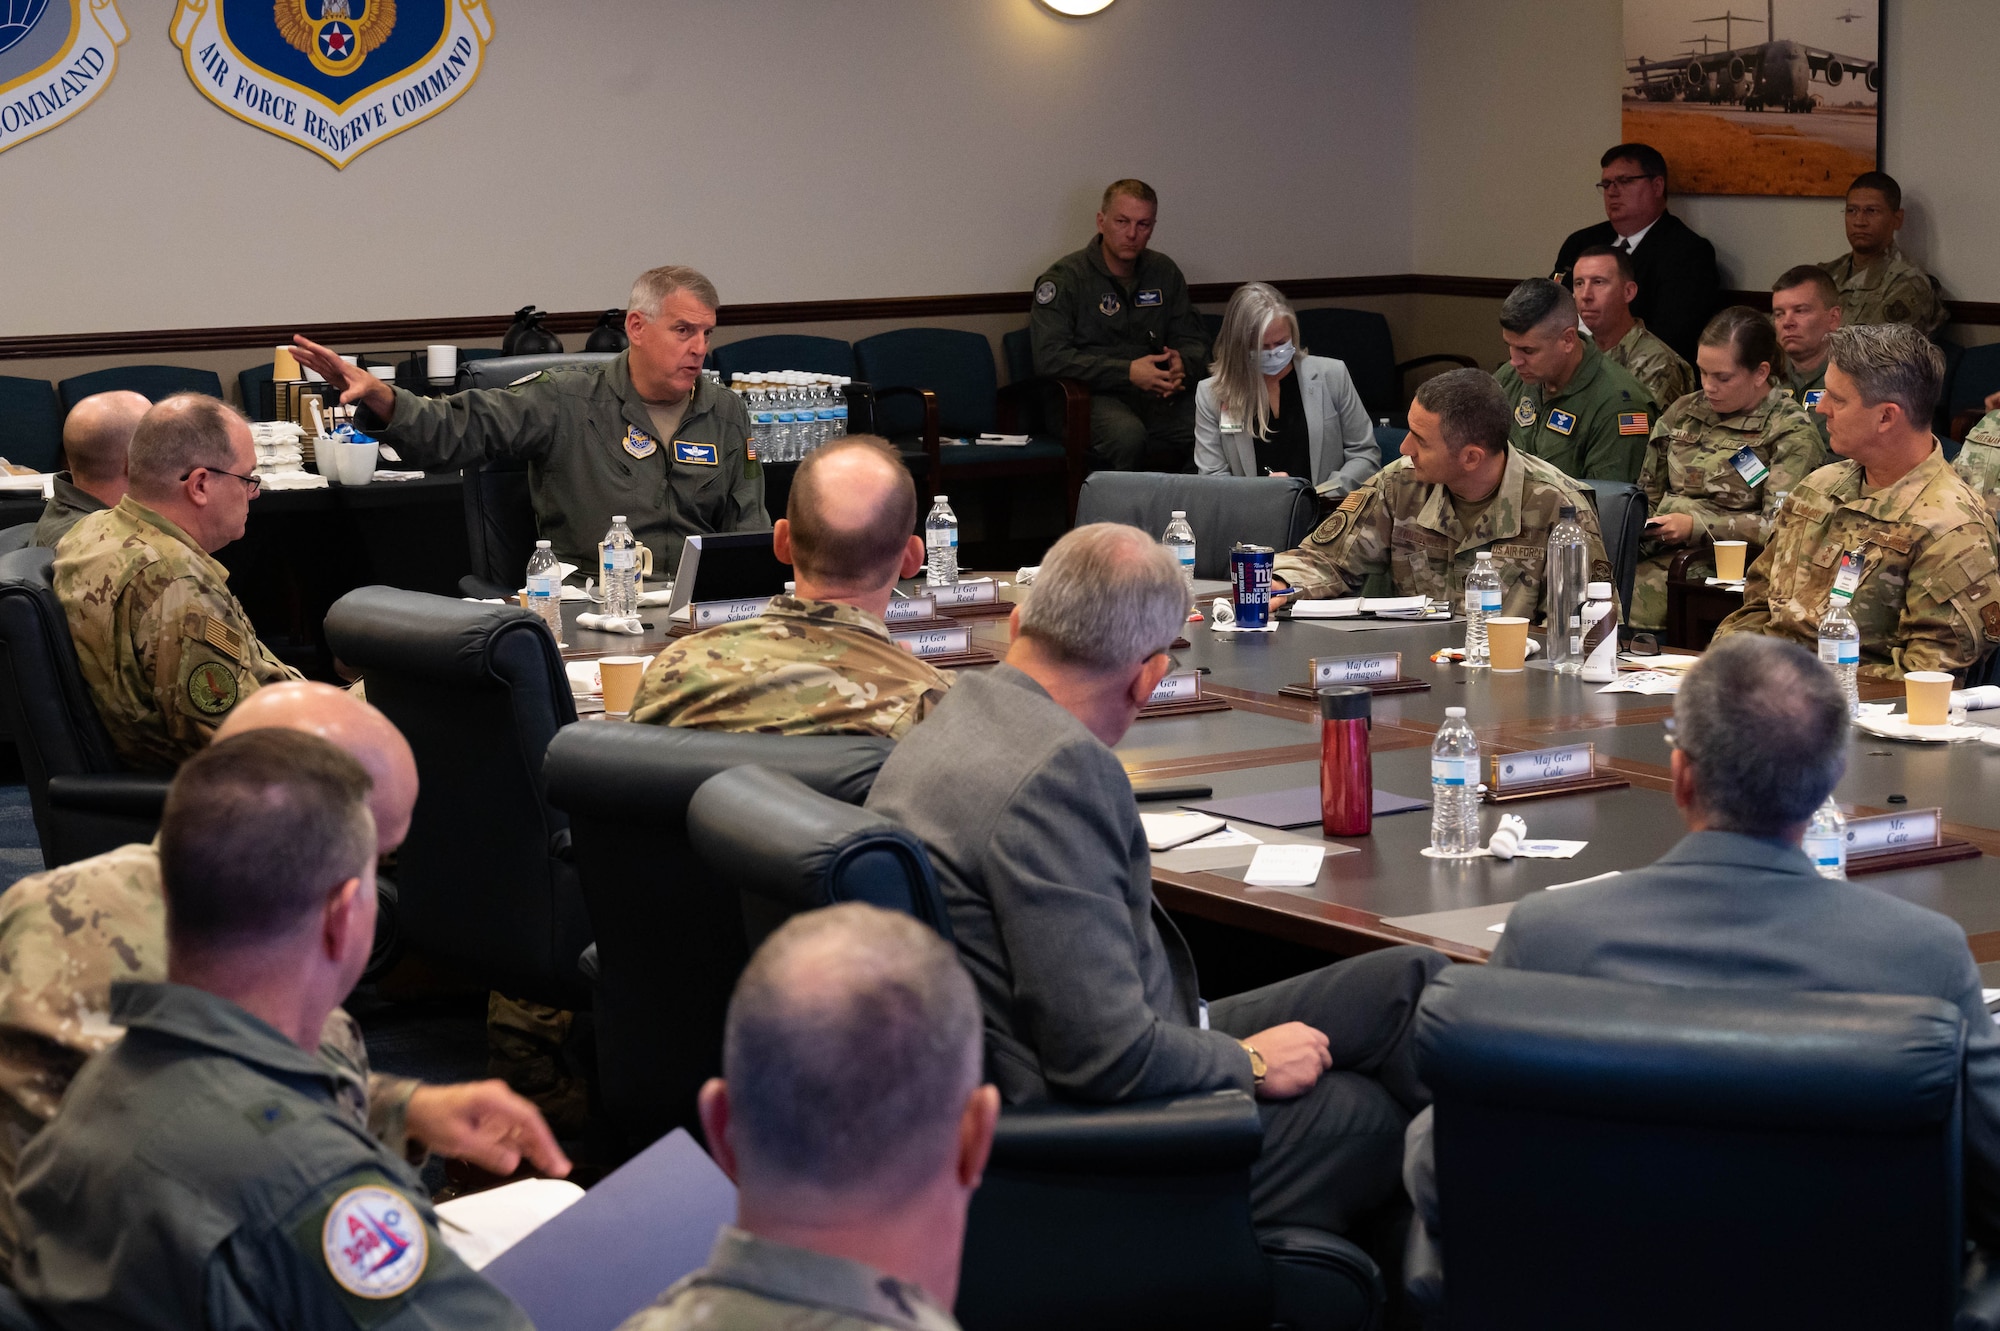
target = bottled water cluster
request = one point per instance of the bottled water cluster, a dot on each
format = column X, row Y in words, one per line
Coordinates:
column 792, row 412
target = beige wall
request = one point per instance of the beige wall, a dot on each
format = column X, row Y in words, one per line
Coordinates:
column 794, row 151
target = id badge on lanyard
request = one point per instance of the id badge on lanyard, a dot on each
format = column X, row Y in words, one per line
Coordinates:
column 1849, row 577
column 1749, row 467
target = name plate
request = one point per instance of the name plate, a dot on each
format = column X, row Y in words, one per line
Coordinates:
column 1328, row 671
column 965, row 593
column 1540, row 767
column 1184, row 687
column 951, row 641
column 1886, row 832
column 709, row 614
column 916, row 607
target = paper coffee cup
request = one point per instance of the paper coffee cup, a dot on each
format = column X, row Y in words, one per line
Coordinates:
column 621, row 676
column 1729, row 557
column 1927, row 695
column 441, row 362
column 1507, row 639
column 284, row 365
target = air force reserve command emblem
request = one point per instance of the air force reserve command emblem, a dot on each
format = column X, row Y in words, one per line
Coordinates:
column 374, row 1242
column 335, row 76
column 55, row 57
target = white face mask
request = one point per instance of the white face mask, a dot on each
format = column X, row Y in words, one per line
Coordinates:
column 1275, row 359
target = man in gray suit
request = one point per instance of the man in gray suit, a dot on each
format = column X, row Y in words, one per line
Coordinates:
column 1088, row 989
column 1760, row 734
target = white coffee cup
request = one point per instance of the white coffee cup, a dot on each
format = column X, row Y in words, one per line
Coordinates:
column 441, row 363
column 349, row 464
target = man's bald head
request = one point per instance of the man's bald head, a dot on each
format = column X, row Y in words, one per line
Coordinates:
column 97, row 434
column 852, row 511
column 350, row 724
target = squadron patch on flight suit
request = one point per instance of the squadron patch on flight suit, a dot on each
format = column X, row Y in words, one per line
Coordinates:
column 1524, row 411
column 640, row 444
column 374, row 1242
column 212, row 688
column 1045, row 293
column 1108, row 305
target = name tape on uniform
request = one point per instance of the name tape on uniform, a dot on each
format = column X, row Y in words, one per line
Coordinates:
column 916, row 607
column 1328, row 671
column 1184, row 687
column 1539, row 767
column 965, row 593
column 950, row 641
column 1886, row 832
column 709, row 614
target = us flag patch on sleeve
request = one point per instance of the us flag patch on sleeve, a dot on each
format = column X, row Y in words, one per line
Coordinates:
column 1633, row 422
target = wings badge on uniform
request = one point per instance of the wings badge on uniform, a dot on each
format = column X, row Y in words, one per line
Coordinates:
column 337, row 39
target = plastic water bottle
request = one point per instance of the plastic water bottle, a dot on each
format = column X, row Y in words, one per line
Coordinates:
column 1455, row 786
column 545, row 587
column 783, row 440
column 941, row 545
column 1840, row 649
column 839, row 418
column 762, row 427
column 1825, row 841
column 1180, row 540
column 1482, row 601
column 828, row 418
column 618, row 570
column 1567, row 575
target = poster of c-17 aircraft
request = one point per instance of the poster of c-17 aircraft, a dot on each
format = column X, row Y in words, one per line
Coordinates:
column 1782, row 99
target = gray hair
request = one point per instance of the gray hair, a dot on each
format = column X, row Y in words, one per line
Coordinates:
column 1471, row 407
column 1108, row 597
column 1536, row 302
column 1890, row 363
column 180, row 433
column 656, row 284
column 851, row 1048
column 1765, row 726
column 1237, row 367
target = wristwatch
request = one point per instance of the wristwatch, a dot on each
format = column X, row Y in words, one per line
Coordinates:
column 1258, row 1067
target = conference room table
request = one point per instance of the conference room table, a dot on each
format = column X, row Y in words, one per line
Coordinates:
column 1380, row 890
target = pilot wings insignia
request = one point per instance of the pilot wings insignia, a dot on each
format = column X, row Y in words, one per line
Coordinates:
column 337, row 40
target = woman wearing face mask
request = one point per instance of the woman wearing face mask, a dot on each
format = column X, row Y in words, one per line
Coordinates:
column 1268, row 409
column 1720, row 459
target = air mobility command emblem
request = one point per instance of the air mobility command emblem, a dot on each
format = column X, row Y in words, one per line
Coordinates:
column 55, row 57
column 334, row 76
column 640, row 444
column 1524, row 411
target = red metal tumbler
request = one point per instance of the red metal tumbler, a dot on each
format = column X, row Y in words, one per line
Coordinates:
column 1346, row 776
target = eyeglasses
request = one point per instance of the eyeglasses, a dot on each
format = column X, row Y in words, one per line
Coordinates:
column 251, row 484
column 1621, row 182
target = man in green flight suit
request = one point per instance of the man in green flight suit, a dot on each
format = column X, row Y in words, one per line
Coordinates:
column 644, row 435
column 1572, row 406
column 206, row 1170
column 1116, row 317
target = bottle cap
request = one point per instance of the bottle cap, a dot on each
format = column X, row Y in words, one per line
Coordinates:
column 1486, row 555
column 940, row 500
column 1598, row 591
column 1566, row 511
column 1454, row 711
column 541, row 545
column 1346, row 703
column 618, row 517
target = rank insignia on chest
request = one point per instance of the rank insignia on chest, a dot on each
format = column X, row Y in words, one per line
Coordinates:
column 1812, row 397
column 1631, row 422
column 640, row 444
column 1145, row 298
column 1108, row 304
column 1524, row 412
column 701, row 455
column 1561, row 421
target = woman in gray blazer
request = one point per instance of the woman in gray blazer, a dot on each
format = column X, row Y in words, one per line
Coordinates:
column 1268, row 409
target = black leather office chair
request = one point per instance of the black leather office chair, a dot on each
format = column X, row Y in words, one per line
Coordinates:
column 1278, row 511
column 500, row 526
column 1645, row 1157
column 1621, row 519
column 151, row 381
column 16, row 537
column 84, row 800
column 1132, row 1215
column 30, row 423
column 670, row 934
column 484, row 879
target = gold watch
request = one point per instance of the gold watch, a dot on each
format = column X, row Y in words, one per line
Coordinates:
column 1258, row 1067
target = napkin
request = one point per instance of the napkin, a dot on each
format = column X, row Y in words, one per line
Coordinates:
column 610, row 623
column 1287, row 865
column 665, row 597
column 1005, row 440
column 1164, row 831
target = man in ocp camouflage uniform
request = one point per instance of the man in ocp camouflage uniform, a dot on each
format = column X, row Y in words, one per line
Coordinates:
column 1978, row 461
column 1571, row 406
column 165, row 648
column 820, row 662
column 1891, row 523
column 1604, row 285
column 1458, row 489
column 1878, row 282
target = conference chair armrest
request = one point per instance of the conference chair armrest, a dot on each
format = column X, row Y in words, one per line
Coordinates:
column 1962, row 423
column 1403, row 367
column 1179, row 1135
column 932, row 449
column 1075, row 421
column 1677, row 570
column 1321, row 1279
column 133, row 794
column 479, row 589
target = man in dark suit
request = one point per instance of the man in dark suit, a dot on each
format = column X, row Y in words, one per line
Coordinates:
column 1088, row 989
column 1760, row 735
column 1674, row 267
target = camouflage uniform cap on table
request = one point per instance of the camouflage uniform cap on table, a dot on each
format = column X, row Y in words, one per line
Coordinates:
column 1929, row 593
